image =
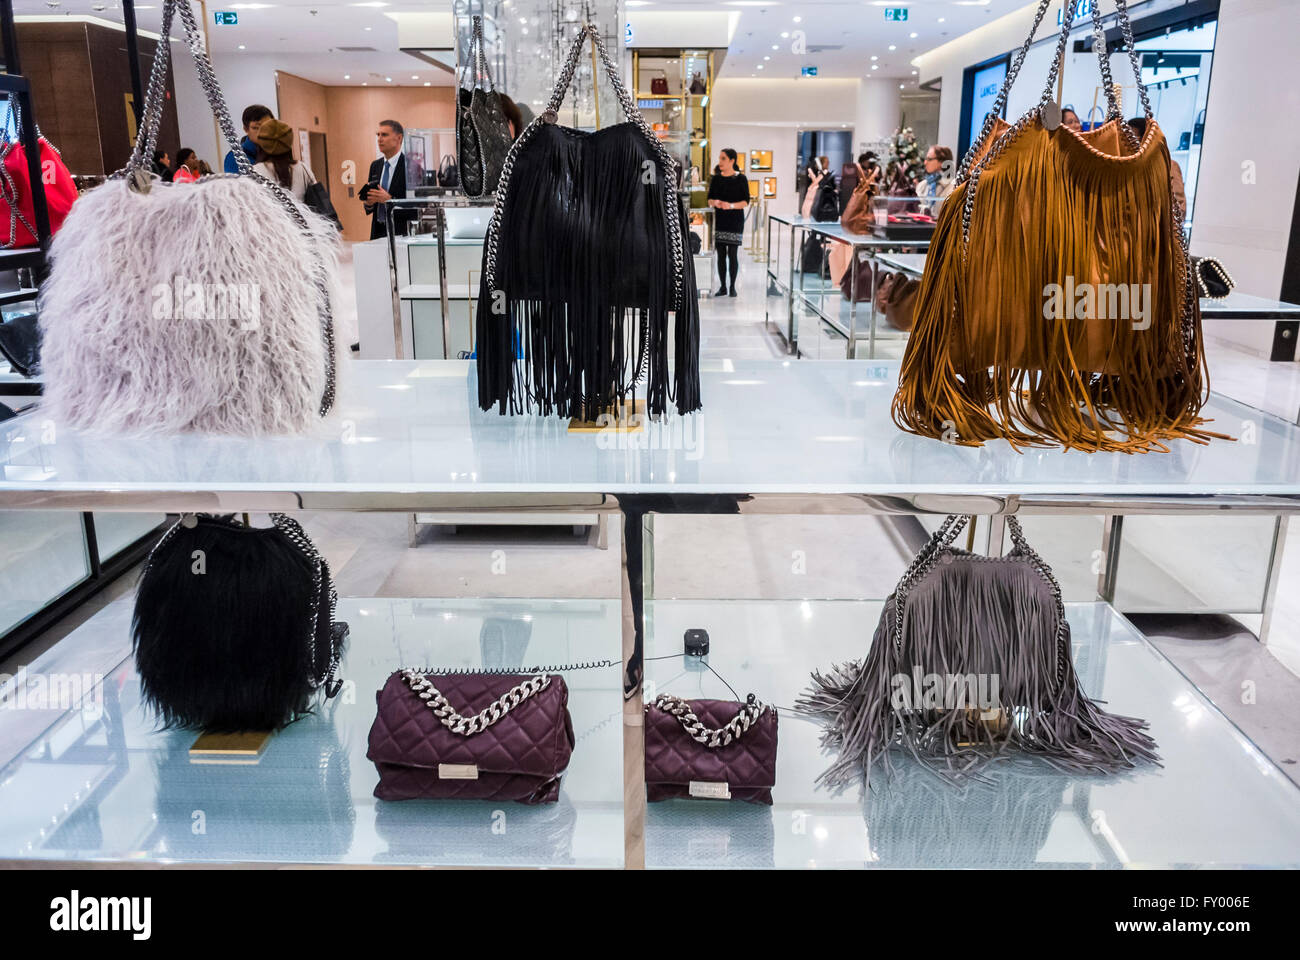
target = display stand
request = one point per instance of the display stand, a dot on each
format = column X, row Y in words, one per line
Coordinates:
column 749, row 454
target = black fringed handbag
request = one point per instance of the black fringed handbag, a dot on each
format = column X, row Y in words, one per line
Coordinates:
column 959, row 621
column 234, row 625
column 585, row 270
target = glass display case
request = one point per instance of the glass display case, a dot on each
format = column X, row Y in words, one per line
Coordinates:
column 904, row 218
column 673, row 92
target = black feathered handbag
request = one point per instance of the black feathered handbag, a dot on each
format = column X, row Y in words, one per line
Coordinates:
column 234, row 625
column 585, row 268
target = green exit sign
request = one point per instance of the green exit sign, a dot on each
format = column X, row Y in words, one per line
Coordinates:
column 896, row 13
column 226, row 18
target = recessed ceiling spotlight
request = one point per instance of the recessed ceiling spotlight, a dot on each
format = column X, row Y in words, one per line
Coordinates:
column 760, row 66
column 241, row 46
column 347, row 76
column 388, row 79
column 767, row 58
column 798, row 19
column 941, row 19
column 415, row 76
column 428, row 83
column 915, row 72
column 785, row 34
column 875, row 66
column 874, row 57
column 900, row 86
column 912, row 35
column 776, row 46
column 368, row 28
column 893, row 46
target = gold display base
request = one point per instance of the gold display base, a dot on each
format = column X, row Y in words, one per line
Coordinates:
column 627, row 418
column 230, row 748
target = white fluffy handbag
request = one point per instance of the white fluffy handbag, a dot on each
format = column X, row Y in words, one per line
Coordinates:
column 191, row 306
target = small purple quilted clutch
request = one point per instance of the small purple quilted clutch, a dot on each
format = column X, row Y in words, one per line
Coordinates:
column 717, row 749
column 471, row 736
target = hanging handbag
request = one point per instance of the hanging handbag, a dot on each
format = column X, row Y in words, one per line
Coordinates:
column 971, row 661
column 483, row 131
column 826, row 205
column 448, row 172
column 234, row 625
column 1212, row 278
column 714, row 749
column 16, row 187
column 659, row 84
column 20, row 344
column 857, row 217
column 189, row 307
column 471, row 736
column 1058, row 306
column 317, row 199
column 585, row 262
column 697, row 85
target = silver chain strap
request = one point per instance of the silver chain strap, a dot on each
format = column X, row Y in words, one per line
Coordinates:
column 711, row 737
column 9, row 190
column 494, row 712
column 146, row 139
column 669, row 166
column 938, row 545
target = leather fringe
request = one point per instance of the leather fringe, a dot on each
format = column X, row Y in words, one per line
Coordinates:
column 984, row 363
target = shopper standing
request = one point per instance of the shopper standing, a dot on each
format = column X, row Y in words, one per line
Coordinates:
column 729, row 196
column 387, row 177
column 252, row 118
column 275, row 158
column 938, row 179
column 187, row 166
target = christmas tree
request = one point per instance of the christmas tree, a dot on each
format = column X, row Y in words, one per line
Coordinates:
column 905, row 163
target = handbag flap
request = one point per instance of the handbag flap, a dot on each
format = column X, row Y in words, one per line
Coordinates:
column 534, row 739
column 672, row 756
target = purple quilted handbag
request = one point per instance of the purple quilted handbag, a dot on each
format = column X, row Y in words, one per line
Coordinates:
column 710, row 748
column 471, row 736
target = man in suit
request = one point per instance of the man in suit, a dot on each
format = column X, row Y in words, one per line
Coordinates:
column 387, row 178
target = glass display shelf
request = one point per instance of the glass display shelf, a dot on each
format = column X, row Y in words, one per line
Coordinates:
column 1178, row 815
column 95, row 780
column 404, row 430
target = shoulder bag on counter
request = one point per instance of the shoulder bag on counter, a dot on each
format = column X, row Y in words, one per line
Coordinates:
column 180, row 307
column 1058, row 306
column 16, row 187
column 711, row 749
column 234, row 625
column 585, row 266
column 955, row 619
column 483, row 131
column 471, row 736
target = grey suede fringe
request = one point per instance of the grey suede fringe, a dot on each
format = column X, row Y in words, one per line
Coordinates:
column 993, row 618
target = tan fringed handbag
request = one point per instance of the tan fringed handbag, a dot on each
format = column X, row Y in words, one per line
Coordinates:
column 1057, row 306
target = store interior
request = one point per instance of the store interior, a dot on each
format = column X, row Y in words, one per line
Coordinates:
column 778, row 518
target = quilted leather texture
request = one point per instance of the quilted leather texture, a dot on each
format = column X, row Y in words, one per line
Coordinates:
column 673, row 759
column 521, row 757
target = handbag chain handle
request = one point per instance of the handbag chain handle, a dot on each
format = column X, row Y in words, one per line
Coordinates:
column 138, row 177
column 294, row 532
column 8, row 189
column 940, row 543
column 711, row 737
column 494, row 712
column 670, row 169
column 477, row 58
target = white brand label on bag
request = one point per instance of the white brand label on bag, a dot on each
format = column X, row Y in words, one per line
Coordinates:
column 710, row 790
column 457, row 771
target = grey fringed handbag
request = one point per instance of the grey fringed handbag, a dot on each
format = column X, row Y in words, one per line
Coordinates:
column 971, row 661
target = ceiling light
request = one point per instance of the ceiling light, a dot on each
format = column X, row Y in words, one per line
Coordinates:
column 941, row 19
column 875, row 66
column 760, row 66
column 912, row 35
column 798, row 19
column 914, row 72
column 767, row 58
column 388, row 79
column 347, row 76
column 893, row 46
column 428, row 83
column 369, row 3
column 415, row 76
column 776, row 46
column 368, row 28
column 785, row 34
column 242, row 47
column 524, row 21
column 874, row 57
column 364, row 84
column 900, row 86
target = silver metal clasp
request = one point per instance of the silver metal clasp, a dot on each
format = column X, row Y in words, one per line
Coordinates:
column 140, row 180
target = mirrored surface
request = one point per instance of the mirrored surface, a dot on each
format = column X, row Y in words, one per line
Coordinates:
column 767, row 426
column 1216, row 801
column 101, row 782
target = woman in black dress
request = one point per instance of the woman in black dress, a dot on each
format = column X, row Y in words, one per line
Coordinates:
column 729, row 196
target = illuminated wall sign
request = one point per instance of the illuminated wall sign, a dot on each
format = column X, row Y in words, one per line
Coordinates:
column 226, row 18
column 896, row 13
